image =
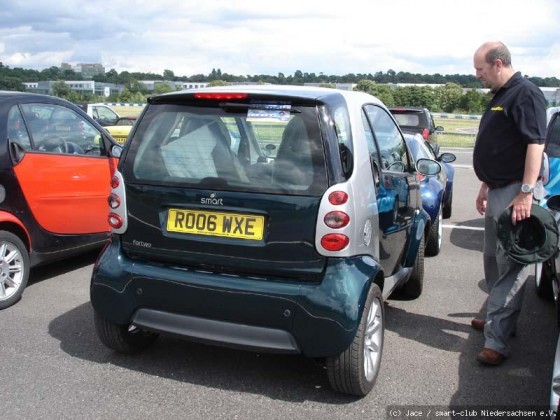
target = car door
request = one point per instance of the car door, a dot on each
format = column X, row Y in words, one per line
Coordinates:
column 63, row 168
column 398, row 189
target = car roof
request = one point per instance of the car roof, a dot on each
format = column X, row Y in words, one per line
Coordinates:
column 8, row 98
column 550, row 112
column 17, row 94
column 413, row 137
column 307, row 92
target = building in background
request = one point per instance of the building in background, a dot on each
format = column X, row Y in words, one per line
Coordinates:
column 87, row 70
column 80, row 86
column 151, row 84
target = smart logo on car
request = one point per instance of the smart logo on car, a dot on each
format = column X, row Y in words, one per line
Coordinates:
column 212, row 200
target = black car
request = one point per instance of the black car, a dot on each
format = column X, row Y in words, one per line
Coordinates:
column 417, row 120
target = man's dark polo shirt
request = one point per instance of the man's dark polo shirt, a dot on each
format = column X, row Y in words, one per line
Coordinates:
column 515, row 117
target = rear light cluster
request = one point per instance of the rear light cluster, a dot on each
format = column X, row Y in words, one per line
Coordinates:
column 114, row 219
column 336, row 220
column 426, row 134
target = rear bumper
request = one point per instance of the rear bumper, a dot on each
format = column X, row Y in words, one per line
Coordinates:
column 261, row 314
column 215, row 332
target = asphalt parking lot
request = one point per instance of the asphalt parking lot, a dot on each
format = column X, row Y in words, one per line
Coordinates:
column 52, row 365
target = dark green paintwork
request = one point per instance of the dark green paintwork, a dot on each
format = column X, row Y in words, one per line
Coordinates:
column 322, row 317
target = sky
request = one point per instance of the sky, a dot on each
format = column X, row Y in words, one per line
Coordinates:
column 252, row 37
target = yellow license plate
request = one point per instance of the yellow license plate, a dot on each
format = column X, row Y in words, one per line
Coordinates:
column 230, row 225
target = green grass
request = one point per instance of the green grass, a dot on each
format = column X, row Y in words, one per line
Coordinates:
column 459, row 132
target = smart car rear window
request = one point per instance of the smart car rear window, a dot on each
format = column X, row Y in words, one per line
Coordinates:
column 273, row 147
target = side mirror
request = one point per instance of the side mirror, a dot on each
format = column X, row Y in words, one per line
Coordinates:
column 447, row 157
column 553, row 203
column 116, row 151
column 16, row 152
column 440, row 128
column 428, row 167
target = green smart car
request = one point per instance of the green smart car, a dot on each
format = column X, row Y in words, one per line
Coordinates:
column 267, row 218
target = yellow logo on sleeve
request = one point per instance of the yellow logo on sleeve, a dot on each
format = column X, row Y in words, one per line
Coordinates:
column 497, row 109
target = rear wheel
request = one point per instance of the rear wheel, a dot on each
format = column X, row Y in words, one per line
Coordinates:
column 412, row 289
column 122, row 338
column 355, row 370
column 14, row 268
column 433, row 246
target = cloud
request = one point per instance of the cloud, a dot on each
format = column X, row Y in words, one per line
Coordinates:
column 254, row 37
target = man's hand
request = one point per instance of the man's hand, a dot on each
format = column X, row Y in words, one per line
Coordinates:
column 521, row 207
column 481, row 199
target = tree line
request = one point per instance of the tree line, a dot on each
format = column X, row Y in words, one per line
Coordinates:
column 457, row 93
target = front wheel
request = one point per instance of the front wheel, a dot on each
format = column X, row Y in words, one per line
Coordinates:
column 14, row 268
column 122, row 338
column 447, row 205
column 355, row 370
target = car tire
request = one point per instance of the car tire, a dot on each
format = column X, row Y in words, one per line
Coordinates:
column 544, row 273
column 14, row 268
column 121, row 338
column 355, row 370
column 447, row 205
column 433, row 244
column 412, row 289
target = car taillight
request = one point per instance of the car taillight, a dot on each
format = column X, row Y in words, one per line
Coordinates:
column 114, row 201
column 117, row 206
column 426, row 134
column 115, row 221
column 338, row 197
column 336, row 219
column 334, row 241
column 220, row 96
column 420, row 177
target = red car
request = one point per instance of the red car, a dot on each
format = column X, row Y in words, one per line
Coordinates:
column 56, row 164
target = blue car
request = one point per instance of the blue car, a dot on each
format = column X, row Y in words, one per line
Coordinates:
column 436, row 191
column 546, row 274
column 546, row 278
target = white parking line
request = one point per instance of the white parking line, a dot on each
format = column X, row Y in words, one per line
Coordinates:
column 463, row 227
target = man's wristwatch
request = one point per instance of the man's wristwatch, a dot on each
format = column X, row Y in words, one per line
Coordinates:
column 527, row 189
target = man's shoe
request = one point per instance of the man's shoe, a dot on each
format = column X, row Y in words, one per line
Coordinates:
column 490, row 357
column 478, row 324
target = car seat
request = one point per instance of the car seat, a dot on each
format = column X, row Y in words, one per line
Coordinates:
column 293, row 166
column 202, row 151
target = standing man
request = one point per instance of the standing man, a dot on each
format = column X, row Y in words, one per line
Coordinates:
column 507, row 159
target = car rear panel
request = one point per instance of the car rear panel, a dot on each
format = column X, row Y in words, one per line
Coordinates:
column 285, row 249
